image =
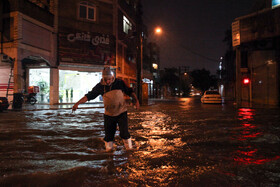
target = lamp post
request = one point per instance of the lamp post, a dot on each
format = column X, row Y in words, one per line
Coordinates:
column 186, row 69
column 139, row 69
column 140, row 34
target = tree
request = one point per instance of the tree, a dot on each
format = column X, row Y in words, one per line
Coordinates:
column 228, row 73
column 203, row 80
column 170, row 79
column 185, row 85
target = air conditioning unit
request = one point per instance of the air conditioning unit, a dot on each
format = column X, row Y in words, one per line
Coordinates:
column 5, row 58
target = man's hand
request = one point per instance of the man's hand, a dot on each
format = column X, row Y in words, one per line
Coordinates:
column 83, row 100
column 74, row 108
column 137, row 105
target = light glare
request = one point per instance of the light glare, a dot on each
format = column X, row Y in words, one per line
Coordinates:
column 158, row 30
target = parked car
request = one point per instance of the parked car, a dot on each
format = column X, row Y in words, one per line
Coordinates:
column 4, row 104
column 211, row 97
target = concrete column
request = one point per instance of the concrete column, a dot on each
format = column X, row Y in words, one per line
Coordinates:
column 277, row 56
column 54, row 86
column 18, row 82
column 238, row 88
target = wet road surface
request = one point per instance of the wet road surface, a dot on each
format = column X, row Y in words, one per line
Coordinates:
column 177, row 143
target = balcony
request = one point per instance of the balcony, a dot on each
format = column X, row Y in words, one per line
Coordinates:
column 32, row 10
column 260, row 25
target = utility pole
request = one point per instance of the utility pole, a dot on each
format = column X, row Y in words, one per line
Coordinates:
column 1, row 25
column 238, row 76
column 139, row 63
column 186, row 69
column 139, row 69
column 180, row 81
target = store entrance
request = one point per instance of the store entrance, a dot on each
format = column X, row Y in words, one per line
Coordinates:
column 73, row 85
column 41, row 78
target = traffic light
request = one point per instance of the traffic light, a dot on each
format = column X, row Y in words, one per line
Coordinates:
column 246, row 81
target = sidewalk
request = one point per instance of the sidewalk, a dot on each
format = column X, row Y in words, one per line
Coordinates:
column 42, row 106
column 46, row 106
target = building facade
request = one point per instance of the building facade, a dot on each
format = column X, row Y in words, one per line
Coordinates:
column 154, row 66
column 62, row 46
column 28, row 37
column 256, row 40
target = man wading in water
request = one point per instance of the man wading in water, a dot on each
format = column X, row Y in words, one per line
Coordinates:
column 112, row 91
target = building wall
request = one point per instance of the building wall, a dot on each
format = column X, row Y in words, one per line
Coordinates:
column 68, row 17
column 259, row 38
column 33, row 28
column 264, row 77
column 126, row 43
column 26, row 33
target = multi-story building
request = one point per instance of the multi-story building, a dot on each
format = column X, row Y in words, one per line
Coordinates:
column 91, row 35
column 154, row 65
column 256, row 40
column 28, row 37
column 63, row 45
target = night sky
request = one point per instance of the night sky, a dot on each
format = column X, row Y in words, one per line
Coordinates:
column 193, row 30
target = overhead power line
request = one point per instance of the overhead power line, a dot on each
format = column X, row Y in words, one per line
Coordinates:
column 198, row 54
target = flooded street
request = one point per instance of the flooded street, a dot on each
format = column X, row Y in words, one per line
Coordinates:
column 177, row 143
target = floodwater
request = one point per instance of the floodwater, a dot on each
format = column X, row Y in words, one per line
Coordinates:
column 176, row 143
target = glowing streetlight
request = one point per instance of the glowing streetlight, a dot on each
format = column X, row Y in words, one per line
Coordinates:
column 158, row 30
column 155, row 66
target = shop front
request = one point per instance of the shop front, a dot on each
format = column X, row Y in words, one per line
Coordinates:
column 82, row 57
column 73, row 85
column 40, row 77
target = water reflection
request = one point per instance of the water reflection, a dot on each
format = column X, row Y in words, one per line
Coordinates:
column 250, row 152
column 158, row 140
column 178, row 143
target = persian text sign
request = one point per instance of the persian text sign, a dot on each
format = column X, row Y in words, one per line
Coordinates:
column 235, row 27
column 87, row 48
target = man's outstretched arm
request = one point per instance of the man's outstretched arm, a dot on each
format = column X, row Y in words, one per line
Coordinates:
column 81, row 101
column 134, row 97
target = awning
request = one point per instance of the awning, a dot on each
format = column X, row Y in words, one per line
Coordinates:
column 35, row 61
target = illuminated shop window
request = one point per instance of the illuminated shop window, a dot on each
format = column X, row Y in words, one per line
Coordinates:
column 126, row 25
column 87, row 11
column 275, row 3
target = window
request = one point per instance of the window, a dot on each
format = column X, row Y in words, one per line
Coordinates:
column 87, row 11
column 275, row 3
column 126, row 25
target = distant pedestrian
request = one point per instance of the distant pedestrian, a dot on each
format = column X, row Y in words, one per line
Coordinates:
column 112, row 91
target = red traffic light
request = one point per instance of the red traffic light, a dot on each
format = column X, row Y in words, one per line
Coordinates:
column 246, row 81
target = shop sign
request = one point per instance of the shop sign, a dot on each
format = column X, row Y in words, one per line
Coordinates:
column 87, row 48
column 145, row 80
column 235, row 26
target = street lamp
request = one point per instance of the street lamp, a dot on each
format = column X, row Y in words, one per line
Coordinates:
column 155, row 66
column 157, row 31
column 140, row 68
column 186, row 70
